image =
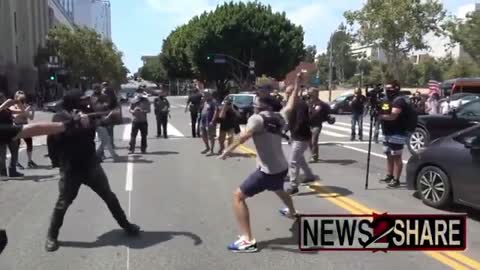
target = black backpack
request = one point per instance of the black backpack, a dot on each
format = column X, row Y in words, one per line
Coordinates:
column 274, row 125
column 410, row 116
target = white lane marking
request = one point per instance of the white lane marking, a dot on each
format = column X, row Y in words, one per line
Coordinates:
column 366, row 152
column 333, row 134
column 126, row 132
column 129, row 176
column 350, row 124
column 172, row 131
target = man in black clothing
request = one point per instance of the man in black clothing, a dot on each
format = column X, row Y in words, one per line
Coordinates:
column 319, row 112
column 358, row 109
column 75, row 152
column 162, row 112
column 194, row 103
column 394, row 124
column 298, row 118
column 6, row 119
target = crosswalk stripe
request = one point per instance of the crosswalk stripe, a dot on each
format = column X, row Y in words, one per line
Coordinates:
column 333, row 134
column 172, row 131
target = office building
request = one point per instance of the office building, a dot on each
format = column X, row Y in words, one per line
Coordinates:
column 61, row 12
column 94, row 14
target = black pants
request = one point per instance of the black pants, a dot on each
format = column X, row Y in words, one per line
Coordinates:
column 162, row 122
column 13, row 147
column 69, row 185
column 143, row 128
column 194, row 120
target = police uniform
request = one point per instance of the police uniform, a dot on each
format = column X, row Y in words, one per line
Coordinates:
column 75, row 154
column 162, row 111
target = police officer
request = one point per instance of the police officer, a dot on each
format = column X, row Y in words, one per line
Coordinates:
column 162, row 111
column 75, row 153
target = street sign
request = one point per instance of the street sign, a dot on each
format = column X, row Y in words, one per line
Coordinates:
column 252, row 64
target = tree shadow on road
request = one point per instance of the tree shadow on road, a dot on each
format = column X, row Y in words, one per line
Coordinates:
column 35, row 178
column 144, row 240
column 343, row 162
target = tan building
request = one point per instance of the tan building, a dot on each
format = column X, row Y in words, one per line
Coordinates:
column 23, row 27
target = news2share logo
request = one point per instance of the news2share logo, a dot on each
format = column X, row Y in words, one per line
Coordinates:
column 383, row 232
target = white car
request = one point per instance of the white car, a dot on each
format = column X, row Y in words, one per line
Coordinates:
column 447, row 105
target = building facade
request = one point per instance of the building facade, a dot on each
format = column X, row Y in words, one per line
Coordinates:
column 94, row 14
column 371, row 53
column 61, row 12
column 24, row 25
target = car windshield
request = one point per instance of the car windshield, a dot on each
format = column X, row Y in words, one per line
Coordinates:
column 243, row 100
column 341, row 98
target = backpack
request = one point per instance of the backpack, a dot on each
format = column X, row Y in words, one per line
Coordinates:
column 326, row 111
column 274, row 125
column 410, row 116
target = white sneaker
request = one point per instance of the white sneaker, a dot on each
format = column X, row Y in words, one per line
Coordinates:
column 243, row 245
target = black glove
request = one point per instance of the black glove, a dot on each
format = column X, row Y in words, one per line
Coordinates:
column 3, row 240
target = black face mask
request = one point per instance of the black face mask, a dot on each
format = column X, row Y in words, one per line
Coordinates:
column 391, row 94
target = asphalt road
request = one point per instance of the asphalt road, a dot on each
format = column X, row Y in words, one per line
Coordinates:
column 182, row 201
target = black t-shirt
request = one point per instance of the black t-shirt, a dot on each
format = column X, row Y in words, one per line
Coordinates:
column 6, row 117
column 319, row 112
column 230, row 119
column 397, row 126
column 299, row 122
column 358, row 104
column 8, row 133
column 195, row 101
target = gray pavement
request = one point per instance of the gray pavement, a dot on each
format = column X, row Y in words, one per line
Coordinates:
column 182, row 200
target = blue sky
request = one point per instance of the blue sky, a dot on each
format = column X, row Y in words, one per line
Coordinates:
column 139, row 27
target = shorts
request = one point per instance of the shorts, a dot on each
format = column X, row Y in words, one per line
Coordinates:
column 259, row 181
column 393, row 144
column 8, row 133
column 209, row 131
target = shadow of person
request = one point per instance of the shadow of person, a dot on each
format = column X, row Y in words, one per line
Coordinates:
column 326, row 191
column 35, row 178
column 289, row 243
column 240, row 155
column 126, row 159
column 343, row 162
column 119, row 238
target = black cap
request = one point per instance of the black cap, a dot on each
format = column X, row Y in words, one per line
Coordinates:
column 72, row 99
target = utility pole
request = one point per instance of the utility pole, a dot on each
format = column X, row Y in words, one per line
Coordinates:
column 330, row 70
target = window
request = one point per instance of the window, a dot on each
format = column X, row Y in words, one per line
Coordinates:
column 243, row 100
column 15, row 21
column 470, row 110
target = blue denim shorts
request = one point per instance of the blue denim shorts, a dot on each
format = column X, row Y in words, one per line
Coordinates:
column 393, row 144
column 259, row 181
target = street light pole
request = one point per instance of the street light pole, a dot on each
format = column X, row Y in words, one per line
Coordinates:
column 330, row 70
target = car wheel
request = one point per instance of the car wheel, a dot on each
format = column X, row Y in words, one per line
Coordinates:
column 434, row 188
column 418, row 140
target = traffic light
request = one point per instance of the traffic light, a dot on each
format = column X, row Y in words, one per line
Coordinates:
column 52, row 77
column 209, row 57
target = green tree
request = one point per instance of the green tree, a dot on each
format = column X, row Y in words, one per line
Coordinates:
column 322, row 65
column 467, row 33
column 246, row 32
column 153, row 70
column 310, row 53
column 397, row 26
column 83, row 53
column 463, row 68
column 344, row 63
column 429, row 69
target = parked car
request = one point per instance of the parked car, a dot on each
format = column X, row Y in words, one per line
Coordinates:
column 244, row 103
column 448, row 170
column 431, row 127
column 341, row 104
column 55, row 106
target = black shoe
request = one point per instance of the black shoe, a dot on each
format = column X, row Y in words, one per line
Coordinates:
column 132, row 229
column 32, row 165
column 387, row 179
column 20, row 166
column 51, row 245
column 3, row 173
column 12, row 172
column 131, row 152
column 313, row 160
column 352, row 139
column 166, row 137
column 394, row 183
column 360, row 139
column 205, row 151
column 158, row 136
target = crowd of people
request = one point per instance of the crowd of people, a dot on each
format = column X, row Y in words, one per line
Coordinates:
column 298, row 118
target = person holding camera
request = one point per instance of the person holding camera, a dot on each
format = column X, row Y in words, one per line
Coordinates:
column 139, row 108
column 227, row 116
column 398, row 118
column 162, row 112
column 358, row 109
column 298, row 118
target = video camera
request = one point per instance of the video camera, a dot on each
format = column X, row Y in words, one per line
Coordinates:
column 376, row 97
